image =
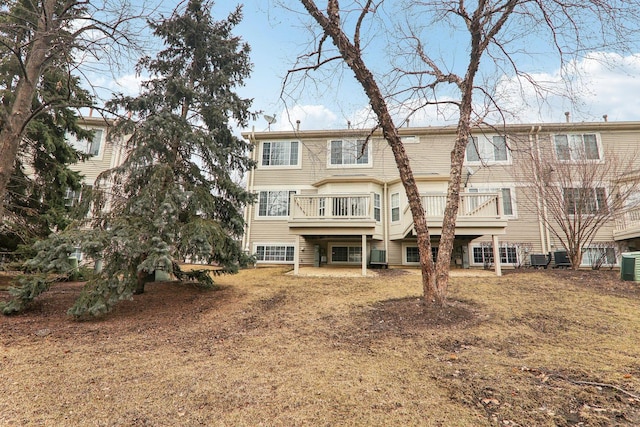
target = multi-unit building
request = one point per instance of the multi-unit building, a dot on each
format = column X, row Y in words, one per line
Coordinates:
column 105, row 153
column 335, row 196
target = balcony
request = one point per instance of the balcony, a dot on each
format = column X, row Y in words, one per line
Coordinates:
column 478, row 214
column 627, row 224
column 333, row 214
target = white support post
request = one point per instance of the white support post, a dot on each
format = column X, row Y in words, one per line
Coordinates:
column 496, row 255
column 364, row 254
column 296, row 256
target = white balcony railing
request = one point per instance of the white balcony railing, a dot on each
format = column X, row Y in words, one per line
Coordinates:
column 476, row 205
column 332, row 206
column 347, row 207
column 629, row 218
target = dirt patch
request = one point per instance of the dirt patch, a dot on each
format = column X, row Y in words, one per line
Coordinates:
column 531, row 348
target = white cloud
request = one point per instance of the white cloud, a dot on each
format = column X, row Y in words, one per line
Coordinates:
column 310, row 116
column 129, row 84
column 601, row 84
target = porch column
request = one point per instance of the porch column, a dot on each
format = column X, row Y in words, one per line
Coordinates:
column 364, row 254
column 296, row 256
column 496, row 254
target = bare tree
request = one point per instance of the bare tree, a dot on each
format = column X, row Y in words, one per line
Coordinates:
column 39, row 35
column 576, row 188
column 420, row 75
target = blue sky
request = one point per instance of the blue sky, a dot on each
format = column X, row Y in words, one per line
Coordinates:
column 277, row 36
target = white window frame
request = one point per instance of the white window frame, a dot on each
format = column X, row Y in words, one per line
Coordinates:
column 486, row 150
column 498, row 188
column 575, row 147
column 297, row 165
column 275, row 247
column 377, row 207
column 588, row 249
column 272, row 217
column 594, row 192
column 331, row 165
column 86, row 146
column 393, row 205
column 487, row 248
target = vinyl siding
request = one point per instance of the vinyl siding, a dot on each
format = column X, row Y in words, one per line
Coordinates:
column 429, row 157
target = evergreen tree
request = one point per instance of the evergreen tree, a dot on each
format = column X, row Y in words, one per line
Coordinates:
column 35, row 202
column 175, row 196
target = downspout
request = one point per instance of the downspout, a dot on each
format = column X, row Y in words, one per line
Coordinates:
column 385, row 221
column 545, row 212
column 539, row 202
column 248, row 209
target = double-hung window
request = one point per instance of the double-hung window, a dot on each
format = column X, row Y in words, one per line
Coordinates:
column 395, row 207
column 487, row 149
column 349, row 152
column 576, row 147
column 280, row 153
column 585, row 201
column 377, row 204
column 274, row 203
column 91, row 147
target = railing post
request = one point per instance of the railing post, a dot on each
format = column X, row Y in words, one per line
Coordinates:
column 500, row 204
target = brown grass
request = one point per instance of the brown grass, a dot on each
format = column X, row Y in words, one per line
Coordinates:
column 276, row 350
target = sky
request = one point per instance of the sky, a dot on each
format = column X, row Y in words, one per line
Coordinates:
column 332, row 99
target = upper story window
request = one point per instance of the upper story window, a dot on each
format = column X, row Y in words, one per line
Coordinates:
column 574, row 147
column 585, row 201
column 395, row 207
column 487, row 149
column 349, row 152
column 377, row 204
column 91, row 147
column 274, row 203
column 280, row 153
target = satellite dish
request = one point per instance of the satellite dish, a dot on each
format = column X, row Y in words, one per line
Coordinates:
column 470, row 171
column 270, row 120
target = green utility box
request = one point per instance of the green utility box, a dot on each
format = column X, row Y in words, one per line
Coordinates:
column 630, row 266
column 378, row 258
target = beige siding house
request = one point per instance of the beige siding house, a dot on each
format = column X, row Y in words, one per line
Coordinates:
column 105, row 153
column 326, row 197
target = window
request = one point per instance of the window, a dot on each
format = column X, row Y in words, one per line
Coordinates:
column 71, row 198
column 350, row 254
column 280, row 153
column 599, row 256
column 484, row 254
column 577, row 147
column 507, row 201
column 348, row 152
column 274, row 203
column 77, row 254
column 91, row 147
column 413, row 255
column 487, row 149
column 377, row 205
column 275, row 253
column 395, row 207
column 585, row 201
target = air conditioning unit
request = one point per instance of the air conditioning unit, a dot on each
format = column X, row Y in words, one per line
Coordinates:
column 630, row 266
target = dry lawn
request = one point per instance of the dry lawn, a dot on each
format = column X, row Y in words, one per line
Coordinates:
column 547, row 348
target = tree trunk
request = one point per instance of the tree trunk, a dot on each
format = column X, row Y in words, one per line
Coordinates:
column 20, row 113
